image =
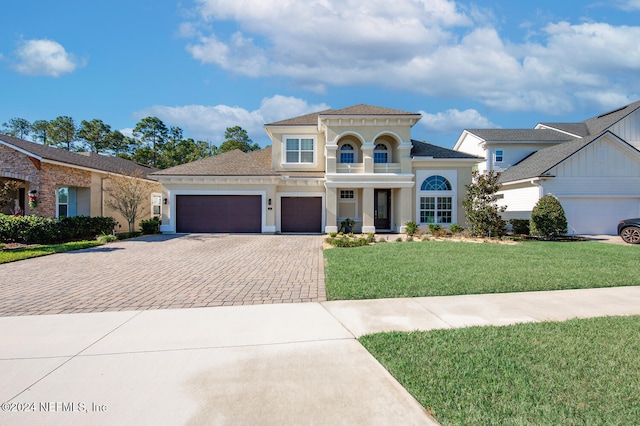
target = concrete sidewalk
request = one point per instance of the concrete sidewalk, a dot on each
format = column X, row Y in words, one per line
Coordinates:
column 261, row 364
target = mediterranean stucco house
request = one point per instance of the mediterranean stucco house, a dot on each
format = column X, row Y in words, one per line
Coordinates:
column 592, row 167
column 356, row 163
column 68, row 183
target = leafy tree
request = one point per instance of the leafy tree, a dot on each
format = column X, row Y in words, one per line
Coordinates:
column 41, row 130
column 17, row 127
column 63, row 132
column 128, row 196
column 93, row 133
column 548, row 219
column 8, row 188
column 118, row 143
column 481, row 207
column 236, row 138
column 152, row 133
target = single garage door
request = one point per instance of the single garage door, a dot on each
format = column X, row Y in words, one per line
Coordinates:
column 301, row 214
column 219, row 213
column 592, row 217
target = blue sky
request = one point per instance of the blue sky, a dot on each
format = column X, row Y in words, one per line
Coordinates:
column 205, row 65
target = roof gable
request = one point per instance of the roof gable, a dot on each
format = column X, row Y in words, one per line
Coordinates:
column 520, row 135
column 541, row 162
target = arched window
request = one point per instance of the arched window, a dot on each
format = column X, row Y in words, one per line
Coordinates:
column 380, row 153
column 347, row 154
column 433, row 207
column 436, row 183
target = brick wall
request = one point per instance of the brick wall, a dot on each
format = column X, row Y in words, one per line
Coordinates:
column 16, row 165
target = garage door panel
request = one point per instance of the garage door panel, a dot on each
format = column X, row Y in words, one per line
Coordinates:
column 301, row 214
column 219, row 213
column 597, row 216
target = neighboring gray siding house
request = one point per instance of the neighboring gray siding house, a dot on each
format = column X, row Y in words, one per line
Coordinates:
column 592, row 167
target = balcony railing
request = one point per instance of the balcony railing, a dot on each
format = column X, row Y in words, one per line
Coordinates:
column 386, row 168
column 350, row 168
column 359, row 168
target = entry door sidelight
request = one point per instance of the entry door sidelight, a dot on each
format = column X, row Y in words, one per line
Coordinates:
column 382, row 209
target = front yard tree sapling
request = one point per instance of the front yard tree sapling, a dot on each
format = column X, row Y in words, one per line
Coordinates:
column 481, row 205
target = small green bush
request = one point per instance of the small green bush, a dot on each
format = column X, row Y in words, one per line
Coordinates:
column 347, row 242
column 548, row 219
column 371, row 237
column 456, row 229
column 519, row 226
column 107, row 238
column 411, row 228
column 150, row 226
column 333, row 234
column 433, row 227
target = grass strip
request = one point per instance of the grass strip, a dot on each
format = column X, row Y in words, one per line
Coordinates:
column 441, row 268
column 43, row 250
column 578, row 372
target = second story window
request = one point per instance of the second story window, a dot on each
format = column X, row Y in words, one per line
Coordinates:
column 499, row 155
column 299, row 150
column 380, row 154
column 347, row 155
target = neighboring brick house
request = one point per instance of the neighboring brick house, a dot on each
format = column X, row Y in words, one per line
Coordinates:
column 68, row 183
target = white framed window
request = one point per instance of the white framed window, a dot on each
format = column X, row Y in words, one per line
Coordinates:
column 347, row 154
column 63, row 202
column 499, row 156
column 156, row 204
column 299, row 150
column 436, row 197
column 380, row 153
column 436, row 210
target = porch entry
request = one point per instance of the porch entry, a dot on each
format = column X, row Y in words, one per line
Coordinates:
column 382, row 209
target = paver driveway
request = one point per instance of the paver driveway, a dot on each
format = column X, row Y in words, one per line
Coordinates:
column 158, row 272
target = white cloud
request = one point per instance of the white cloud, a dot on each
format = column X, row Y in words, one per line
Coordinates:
column 44, row 57
column 453, row 120
column 209, row 123
column 629, row 5
column 435, row 47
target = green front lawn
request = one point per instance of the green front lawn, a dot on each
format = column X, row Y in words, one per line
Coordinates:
column 583, row 372
column 43, row 250
column 437, row 268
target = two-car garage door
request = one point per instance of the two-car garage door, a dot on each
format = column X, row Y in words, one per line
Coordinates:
column 219, row 213
column 243, row 214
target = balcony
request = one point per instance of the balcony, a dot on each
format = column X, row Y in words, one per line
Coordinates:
column 349, row 168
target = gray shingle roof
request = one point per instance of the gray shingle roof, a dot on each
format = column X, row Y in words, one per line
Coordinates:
column 579, row 129
column 362, row 109
column 424, row 149
column 78, row 159
column 520, row 135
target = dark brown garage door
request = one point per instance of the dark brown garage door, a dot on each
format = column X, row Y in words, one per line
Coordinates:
column 301, row 214
column 218, row 213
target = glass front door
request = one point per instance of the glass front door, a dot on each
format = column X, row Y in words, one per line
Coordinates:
column 382, row 209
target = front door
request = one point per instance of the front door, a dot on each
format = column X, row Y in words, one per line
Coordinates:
column 382, row 209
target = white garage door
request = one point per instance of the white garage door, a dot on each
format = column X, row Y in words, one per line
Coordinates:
column 589, row 216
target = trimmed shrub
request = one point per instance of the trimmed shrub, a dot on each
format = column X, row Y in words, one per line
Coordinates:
column 42, row 230
column 456, row 229
column 150, row 226
column 519, row 226
column 548, row 219
column 411, row 228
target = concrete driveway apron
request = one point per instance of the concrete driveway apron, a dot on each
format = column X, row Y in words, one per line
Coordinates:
column 160, row 272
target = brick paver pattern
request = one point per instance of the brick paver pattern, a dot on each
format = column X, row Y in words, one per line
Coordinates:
column 163, row 272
